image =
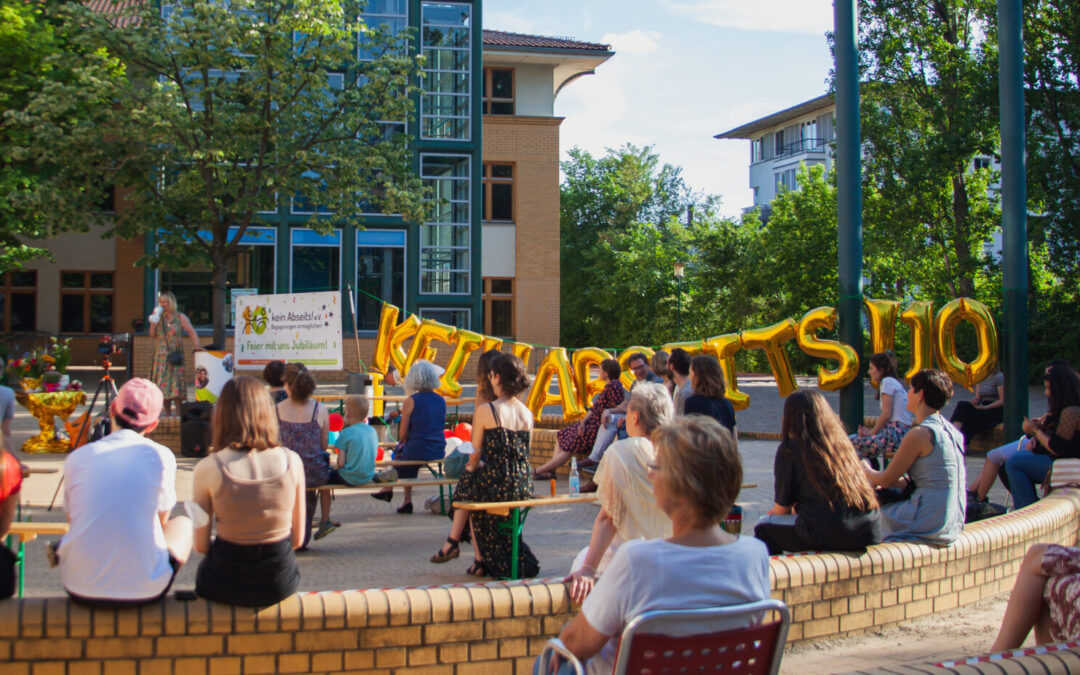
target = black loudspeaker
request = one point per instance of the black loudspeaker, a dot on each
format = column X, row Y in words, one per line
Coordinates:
column 195, row 428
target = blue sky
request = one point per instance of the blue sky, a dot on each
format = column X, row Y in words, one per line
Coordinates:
column 683, row 71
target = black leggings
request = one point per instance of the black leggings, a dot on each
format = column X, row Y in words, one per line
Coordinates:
column 974, row 421
column 255, row 575
column 779, row 538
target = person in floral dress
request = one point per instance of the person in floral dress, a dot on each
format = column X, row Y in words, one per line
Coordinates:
column 169, row 324
column 578, row 439
column 1046, row 597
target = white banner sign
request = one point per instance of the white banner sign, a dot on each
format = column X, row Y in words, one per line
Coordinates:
column 212, row 371
column 290, row 327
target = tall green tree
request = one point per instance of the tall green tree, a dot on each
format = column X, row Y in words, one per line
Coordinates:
column 928, row 111
column 619, row 219
column 56, row 94
column 234, row 107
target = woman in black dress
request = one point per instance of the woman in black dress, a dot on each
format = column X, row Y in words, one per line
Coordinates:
column 707, row 381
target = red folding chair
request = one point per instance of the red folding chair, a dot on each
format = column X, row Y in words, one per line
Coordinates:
column 644, row 649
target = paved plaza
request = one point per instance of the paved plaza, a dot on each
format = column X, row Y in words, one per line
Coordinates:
column 378, row 548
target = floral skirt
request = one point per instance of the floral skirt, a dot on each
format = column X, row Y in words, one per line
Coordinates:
column 1062, row 591
column 886, row 440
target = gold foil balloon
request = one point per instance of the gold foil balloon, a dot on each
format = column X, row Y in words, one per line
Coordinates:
column 982, row 366
column 380, row 361
column 429, row 330
column 491, row 343
column 402, row 332
column 583, row 360
column 555, row 364
column 523, row 351
column 466, row 343
column 919, row 316
column 46, row 407
column 724, row 348
column 694, row 347
column 847, row 359
column 627, row 376
column 882, row 316
column 377, row 404
column 771, row 339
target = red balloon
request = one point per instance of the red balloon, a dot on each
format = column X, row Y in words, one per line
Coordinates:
column 379, row 456
column 337, row 422
column 447, row 433
column 463, row 431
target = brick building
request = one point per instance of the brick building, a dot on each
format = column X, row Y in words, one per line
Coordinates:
column 498, row 156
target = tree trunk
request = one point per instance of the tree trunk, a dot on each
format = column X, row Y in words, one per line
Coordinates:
column 961, row 229
column 220, row 308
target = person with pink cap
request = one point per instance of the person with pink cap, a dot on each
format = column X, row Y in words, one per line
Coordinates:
column 122, row 548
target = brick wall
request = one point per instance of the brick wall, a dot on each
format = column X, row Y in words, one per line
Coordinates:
column 498, row 627
column 532, row 144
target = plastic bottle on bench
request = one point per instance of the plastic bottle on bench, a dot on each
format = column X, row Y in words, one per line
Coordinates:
column 575, row 478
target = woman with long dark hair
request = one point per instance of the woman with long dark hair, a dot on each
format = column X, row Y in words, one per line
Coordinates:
column 1057, row 436
column 818, row 477
column 894, row 420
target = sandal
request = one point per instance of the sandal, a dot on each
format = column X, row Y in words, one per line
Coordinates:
column 453, row 552
column 545, row 475
column 477, row 569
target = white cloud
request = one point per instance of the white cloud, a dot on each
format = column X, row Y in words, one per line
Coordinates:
column 785, row 16
column 632, row 42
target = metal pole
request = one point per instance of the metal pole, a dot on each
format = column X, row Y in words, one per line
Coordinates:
column 1013, row 212
column 849, row 201
column 678, row 313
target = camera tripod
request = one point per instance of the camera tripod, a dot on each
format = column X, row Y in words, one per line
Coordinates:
column 107, row 386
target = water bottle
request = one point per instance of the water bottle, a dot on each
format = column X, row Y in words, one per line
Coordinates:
column 575, row 479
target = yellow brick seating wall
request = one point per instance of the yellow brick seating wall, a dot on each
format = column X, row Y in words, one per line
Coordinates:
column 497, row 627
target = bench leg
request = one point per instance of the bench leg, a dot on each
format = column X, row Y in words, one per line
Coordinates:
column 515, row 539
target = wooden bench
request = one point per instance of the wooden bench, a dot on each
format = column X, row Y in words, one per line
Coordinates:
column 518, row 510
column 28, row 531
column 440, row 482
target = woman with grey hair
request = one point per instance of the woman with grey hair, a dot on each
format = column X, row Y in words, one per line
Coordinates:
column 628, row 509
column 423, row 416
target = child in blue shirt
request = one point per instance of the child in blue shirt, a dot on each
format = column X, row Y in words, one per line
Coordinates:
column 358, row 446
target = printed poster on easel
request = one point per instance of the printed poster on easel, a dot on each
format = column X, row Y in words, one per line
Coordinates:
column 290, row 327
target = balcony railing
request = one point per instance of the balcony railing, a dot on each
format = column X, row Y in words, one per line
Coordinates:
column 801, row 146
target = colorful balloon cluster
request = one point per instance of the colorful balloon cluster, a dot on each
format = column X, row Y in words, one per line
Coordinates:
column 931, row 338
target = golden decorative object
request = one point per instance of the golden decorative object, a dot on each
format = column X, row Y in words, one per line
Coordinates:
column 46, row 407
column 31, row 383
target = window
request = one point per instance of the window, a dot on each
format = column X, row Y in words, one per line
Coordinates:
column 757, row 152
column 446, row 42
column 86, row 302
column 253, row 267
column 981, row 163
column 498, row 91
column 778, row 139
column 316, row 261
column 302, row 205
column 786, row 180
column 108, row 199
column 497, row 198
column 808, row 135
column 499, row 307
column 380, row 272
column 18, row 301
column 445, row 248
column 451, row 316
column 393, row 15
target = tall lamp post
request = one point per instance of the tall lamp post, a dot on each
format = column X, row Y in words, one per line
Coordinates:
column 680, row 272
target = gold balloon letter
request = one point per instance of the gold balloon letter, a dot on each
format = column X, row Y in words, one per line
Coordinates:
column 724, row 347
column 583, row 360
column 882, row 315
column 950, row 316
column 624, row 362
column 919, row 315
column 467, row 343
column 808, row 341
column 429, row 330
column 491, row 343
column 555, row 364
column 380, row 362
column 771, row 339
column 523, row 351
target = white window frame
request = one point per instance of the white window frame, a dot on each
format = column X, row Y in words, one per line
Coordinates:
column 468, row 72
column 404, row 264
column 467, row 225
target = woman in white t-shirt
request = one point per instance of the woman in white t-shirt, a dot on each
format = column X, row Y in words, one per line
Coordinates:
column 894, row 420
column 696, row 477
